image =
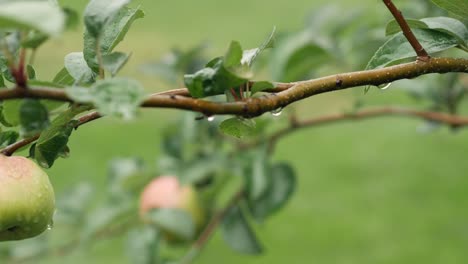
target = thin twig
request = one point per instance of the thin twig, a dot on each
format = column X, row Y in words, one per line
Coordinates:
column 20, row 72
column 448, row 119
column 291, row 92
column 9, row 150
column 418, row 48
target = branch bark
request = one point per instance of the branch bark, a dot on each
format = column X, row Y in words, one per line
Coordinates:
column 284, row 93
column 9, row 150
column 448, row 119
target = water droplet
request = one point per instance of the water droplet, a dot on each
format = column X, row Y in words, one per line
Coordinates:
column 277, row 112
column 210, row 118
column 384, row 86
column 50, row 225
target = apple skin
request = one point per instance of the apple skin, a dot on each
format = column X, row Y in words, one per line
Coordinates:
column 167, row 192
column 27, row 200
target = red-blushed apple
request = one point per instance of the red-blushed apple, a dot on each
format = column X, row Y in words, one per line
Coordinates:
column 167, row 192
column 27, row 200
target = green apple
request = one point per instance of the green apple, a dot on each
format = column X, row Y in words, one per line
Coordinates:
column 27, row 200
column 167, row 192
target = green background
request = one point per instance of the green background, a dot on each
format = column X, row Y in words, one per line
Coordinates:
column 374, row 191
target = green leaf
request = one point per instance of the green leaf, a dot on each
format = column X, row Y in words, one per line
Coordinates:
column 34, row 39
column 31, row 72
column 98, row 13
column 54, row 139
column 212, row 80
column 258, row 175
column 202, row 169
column 7, row 138
column 42, row 16
column 106, row 216
column 63, row 78
column 457, row 7
column 233, row 55
column 127, row 175
column 45, row 84
column 119, row 97
column 174, row 221
column 295, row 57
column 238, row 127
column 78, row 68
column 142, row 245
column 393, row 27
column 11, row 112
column 72, row 18
column 283, row 184
column 450, row 26
column 34, row 117
column 238, row 234
column 397, row 48
column 447, row 25
column 74, row 203
column 111, row 35
column 260, row 86
column 113, row 62
column 2, row 81
column 249, row 56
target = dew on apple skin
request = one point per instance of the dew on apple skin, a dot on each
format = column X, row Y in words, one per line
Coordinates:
column 50, row 225
column 210, row 118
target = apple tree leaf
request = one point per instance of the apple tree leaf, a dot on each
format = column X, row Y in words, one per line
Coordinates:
column 54, row 139
column 11, row 112
column 111, row 35
column 142, row 245
column 457, row 7
column 34, row 117
column 114, row 62
column 397, row 48
column 77, row 67
column 99, row 12
column 176, row 222
column 63, row 78
column 39, row 15
column 238, row 233
column 118, row 97
column 214, row 79
column 260, row 86
column 249, row 56
column 7, row 138
column 238, row 127
column 283, row 184
column 447, row 25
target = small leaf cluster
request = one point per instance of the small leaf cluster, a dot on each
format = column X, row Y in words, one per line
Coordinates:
column 25, row 26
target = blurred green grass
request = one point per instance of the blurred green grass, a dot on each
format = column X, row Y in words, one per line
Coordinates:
column 375, row 191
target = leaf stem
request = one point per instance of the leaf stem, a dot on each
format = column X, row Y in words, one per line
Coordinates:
column 407, row 32
column 99, row 58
